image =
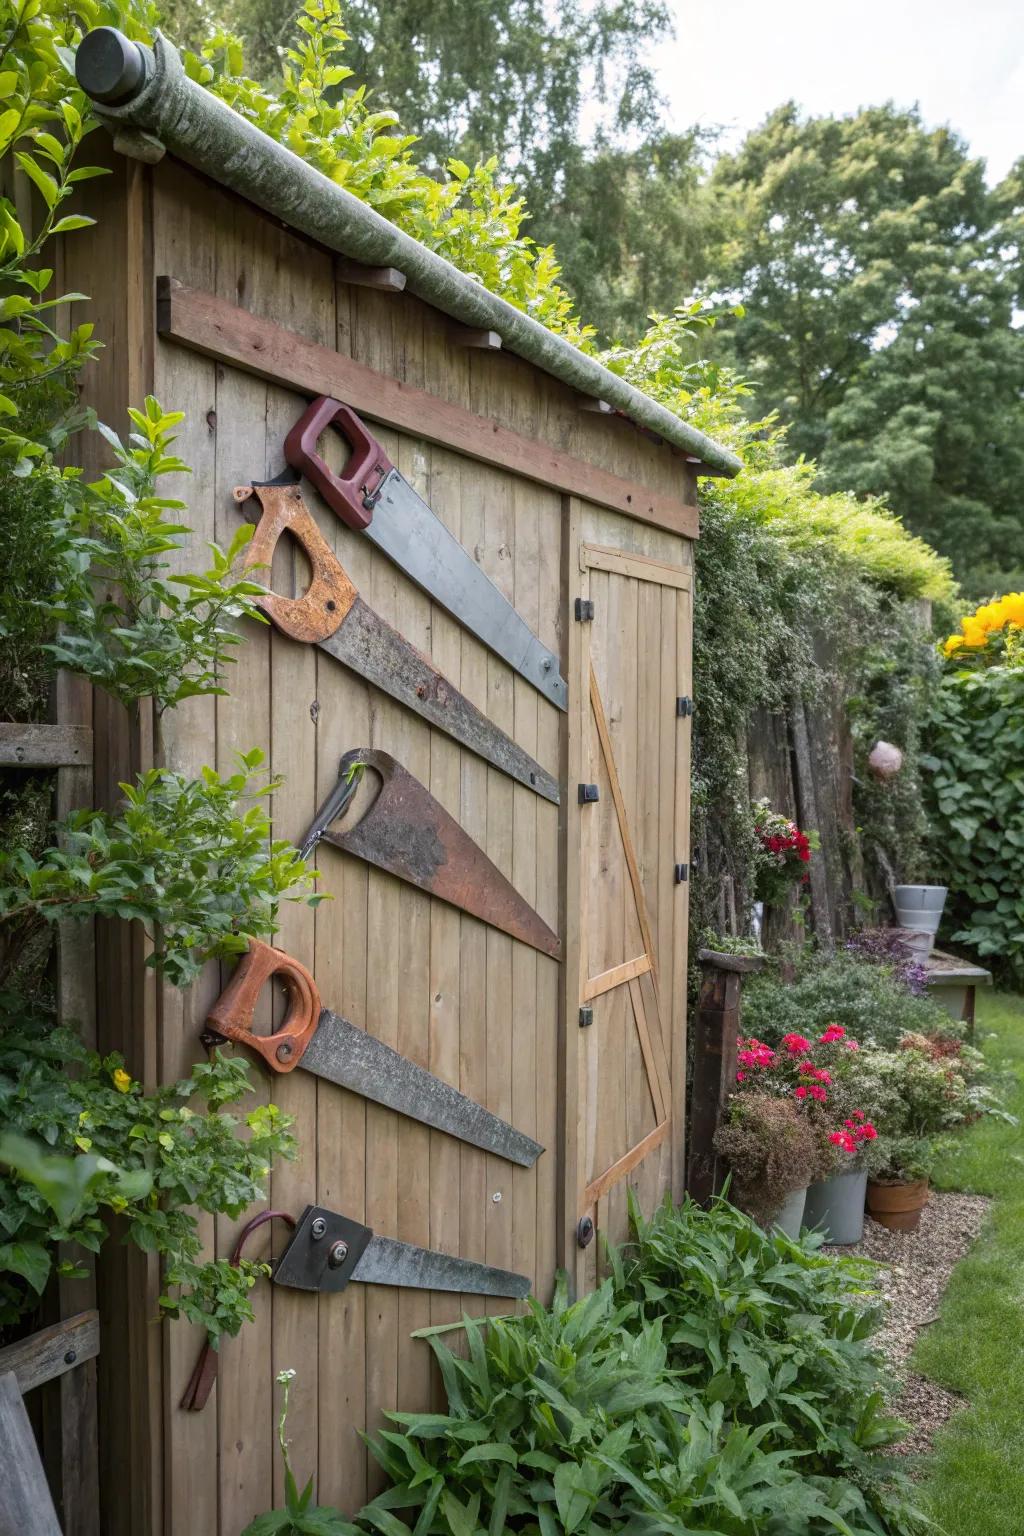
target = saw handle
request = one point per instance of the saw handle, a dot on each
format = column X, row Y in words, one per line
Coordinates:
column 232, row 1013
column 330, row 595
column 354, row 493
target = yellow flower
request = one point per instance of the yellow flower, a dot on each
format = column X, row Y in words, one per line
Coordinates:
column 122, row 1080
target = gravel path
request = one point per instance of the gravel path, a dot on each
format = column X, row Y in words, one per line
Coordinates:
column 917, row 1270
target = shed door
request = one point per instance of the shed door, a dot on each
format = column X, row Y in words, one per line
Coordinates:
column 635, row 663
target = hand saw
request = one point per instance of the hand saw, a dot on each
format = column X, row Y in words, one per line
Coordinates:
column 410, row 834
column 327, row 1251
column 371, row 495
column 330, row 1047
column 333, row 616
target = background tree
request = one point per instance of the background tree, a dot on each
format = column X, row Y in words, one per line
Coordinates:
column 879, row 276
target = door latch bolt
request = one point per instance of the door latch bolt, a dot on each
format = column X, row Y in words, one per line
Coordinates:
column 584, row 610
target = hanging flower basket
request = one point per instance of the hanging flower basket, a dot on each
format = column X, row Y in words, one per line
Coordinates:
column 783, row 854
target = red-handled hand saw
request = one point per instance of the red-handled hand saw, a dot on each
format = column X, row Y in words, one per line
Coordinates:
column 371, row 496
column 329, row 1046
column 332, row 615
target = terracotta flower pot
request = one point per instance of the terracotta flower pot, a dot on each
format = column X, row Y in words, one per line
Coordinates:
column 897, row 1205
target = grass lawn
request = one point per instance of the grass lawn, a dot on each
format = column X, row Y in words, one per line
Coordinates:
column 975, row 1479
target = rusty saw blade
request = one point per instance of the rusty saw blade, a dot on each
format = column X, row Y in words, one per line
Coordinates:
column 410, row 834
column 327, row 1251
column 333, row 616
column 331, row 1047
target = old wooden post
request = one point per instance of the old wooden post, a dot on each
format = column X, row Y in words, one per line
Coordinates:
column 716, row 1030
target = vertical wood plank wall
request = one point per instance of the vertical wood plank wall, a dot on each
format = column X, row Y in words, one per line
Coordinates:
column 479, row 1010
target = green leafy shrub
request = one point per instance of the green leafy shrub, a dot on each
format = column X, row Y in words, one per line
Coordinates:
column 187, row 857
column 569, row 1421
column 781, row 1336
column 866, row 999
column 80, row 1138
column 975, row 794
column 772, row 1148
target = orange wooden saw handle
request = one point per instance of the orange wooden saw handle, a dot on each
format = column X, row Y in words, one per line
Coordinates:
column 318, row 613
column 232, row 1013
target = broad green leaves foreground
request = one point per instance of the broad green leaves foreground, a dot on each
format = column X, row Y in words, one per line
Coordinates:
column 722, row 1381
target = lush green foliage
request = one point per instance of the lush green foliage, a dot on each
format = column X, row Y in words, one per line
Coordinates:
column 124, row 625
column 972, row 1479
column 867, row 1000
column 187, row 857
column 879, row 274
column 975, row 795
column 722, row 1381
column 79, row 1143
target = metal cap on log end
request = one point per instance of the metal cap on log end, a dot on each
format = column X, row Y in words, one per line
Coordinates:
column 109, row 66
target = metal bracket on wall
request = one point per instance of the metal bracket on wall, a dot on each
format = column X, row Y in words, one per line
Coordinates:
column 586, row 1017
column 584, row 610
column 684, row 707
column 682, row 873
column 588, row 794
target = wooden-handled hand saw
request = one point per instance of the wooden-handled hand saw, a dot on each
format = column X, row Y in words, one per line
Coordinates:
column 332, row 615
column 331, row 1047
column 370, row 495
column 407, row 832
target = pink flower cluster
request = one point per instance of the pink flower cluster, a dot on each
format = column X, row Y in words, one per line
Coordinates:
column 854, row 1133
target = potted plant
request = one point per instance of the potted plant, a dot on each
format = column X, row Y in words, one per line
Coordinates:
column 819, row 1078
column 783, row 852
column 774, row 1151
column 897, row 1191
column 918, row 913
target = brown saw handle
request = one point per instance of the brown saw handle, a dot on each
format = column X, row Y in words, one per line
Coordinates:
column 232, row 1013
column 354, row 493
column 318, row 613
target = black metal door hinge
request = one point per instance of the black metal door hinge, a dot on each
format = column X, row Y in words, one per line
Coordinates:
column 586, row 1017
column 584, row 610
column 682, row 873
column 588, row 794
column 684, row 706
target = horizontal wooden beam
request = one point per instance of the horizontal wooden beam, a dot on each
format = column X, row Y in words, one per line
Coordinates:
column 480, row 341
column 45, row 746
column 213, row 326
column 52, row 1351
column 380, row 279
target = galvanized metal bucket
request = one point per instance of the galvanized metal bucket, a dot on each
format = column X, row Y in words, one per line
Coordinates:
column 789, row 1217
column 837, row 1206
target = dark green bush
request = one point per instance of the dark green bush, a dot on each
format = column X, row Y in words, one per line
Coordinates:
column 867, row 999
column 781, row 1336
column 721, row 1381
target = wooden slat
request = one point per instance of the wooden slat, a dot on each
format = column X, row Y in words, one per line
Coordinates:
column 381, row 279
column 625, row 1164
column 45, row 746
column 45, row 1355
column 657, row 1076
column 26, row 1508
column 616, row 976
column 627, row 563
column 620, row 810
column 208, row 324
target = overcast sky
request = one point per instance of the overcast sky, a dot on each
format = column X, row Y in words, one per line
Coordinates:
column 962, row 61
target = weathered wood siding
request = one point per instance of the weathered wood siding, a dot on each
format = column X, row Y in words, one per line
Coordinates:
column 490, row 1015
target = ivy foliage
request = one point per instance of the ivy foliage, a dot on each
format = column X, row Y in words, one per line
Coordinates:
column 974, row 783
column 90, row 1143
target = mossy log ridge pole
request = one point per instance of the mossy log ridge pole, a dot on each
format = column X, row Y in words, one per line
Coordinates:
column 147, row 90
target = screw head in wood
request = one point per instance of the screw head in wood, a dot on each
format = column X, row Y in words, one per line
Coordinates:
column 337, row 1255
column 585, row 1231
column 317, row 1228
column 70, row 1357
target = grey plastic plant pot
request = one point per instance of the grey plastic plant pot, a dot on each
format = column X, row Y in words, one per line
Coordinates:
column 919, row 906
column 789, row 1217
column 836, row 1205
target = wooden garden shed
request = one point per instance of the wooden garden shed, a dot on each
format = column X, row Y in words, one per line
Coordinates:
column 233, row 282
